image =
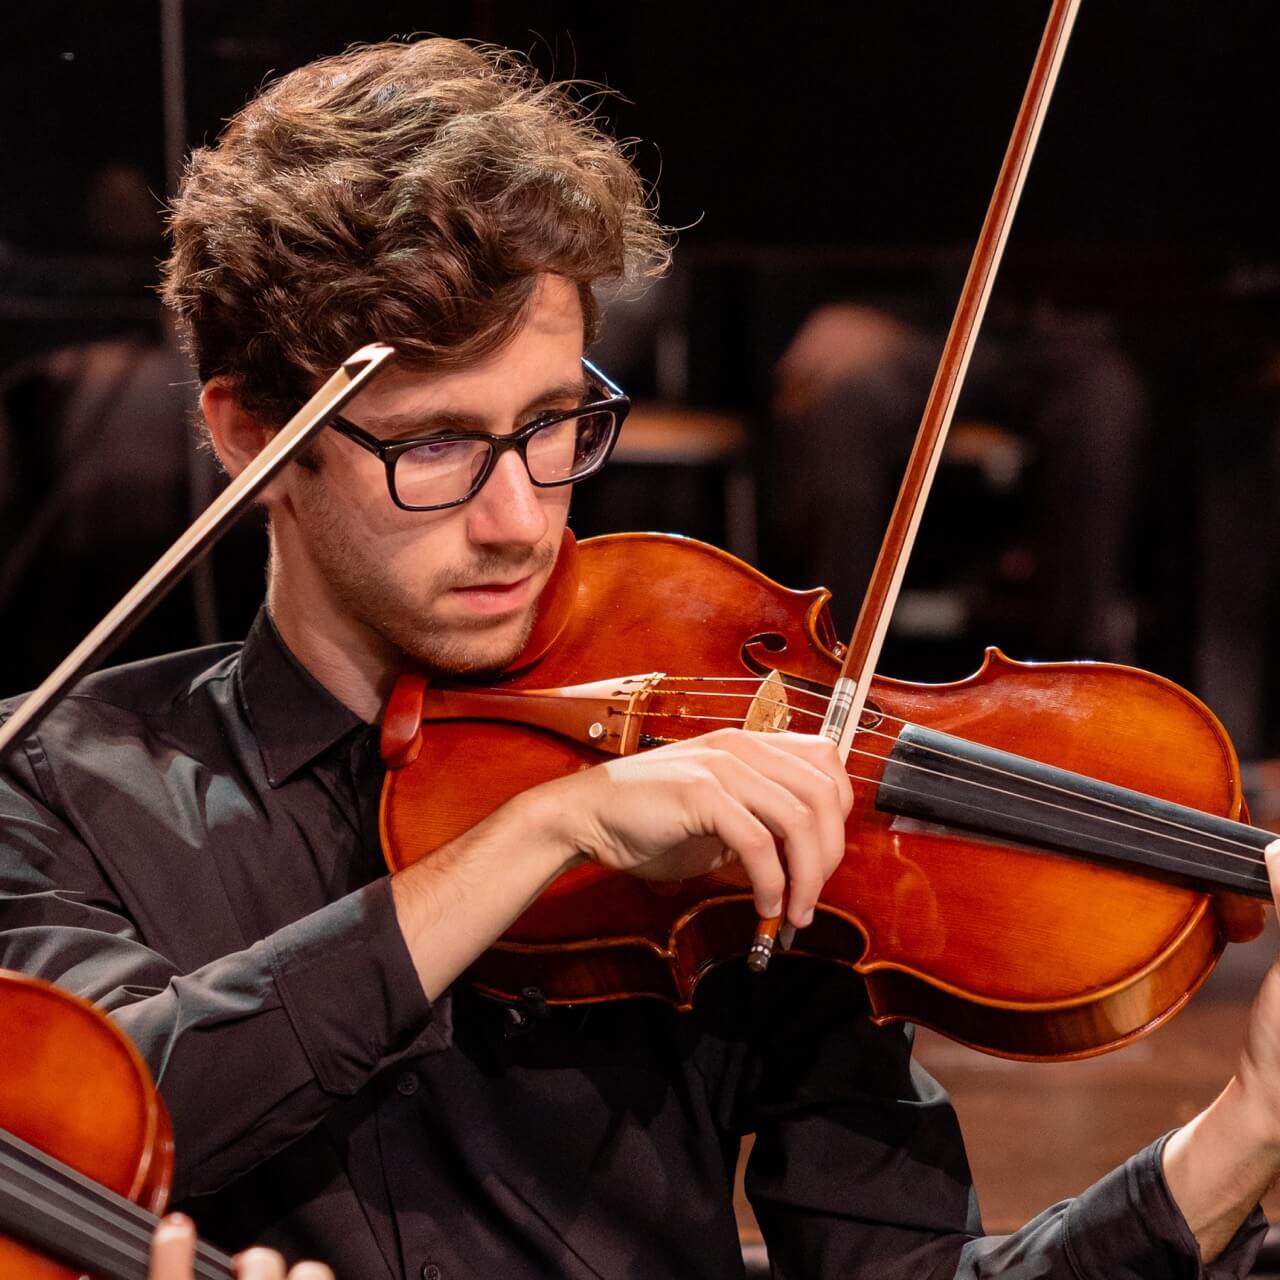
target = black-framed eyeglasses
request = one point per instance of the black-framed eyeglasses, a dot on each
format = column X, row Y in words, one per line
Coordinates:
column 444, row 470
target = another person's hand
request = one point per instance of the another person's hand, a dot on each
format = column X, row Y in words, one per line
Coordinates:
column 173, row 1251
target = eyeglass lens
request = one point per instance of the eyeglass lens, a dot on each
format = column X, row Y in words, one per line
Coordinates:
column 436, row 474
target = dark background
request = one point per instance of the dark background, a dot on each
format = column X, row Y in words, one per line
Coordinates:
column 809, row 152
column 879, row 121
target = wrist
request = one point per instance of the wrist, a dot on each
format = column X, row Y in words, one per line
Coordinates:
column 1220, row 1164
column 547, row 818
column 1255, row 1112
column 454, row 904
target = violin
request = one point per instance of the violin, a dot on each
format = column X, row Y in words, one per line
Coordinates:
column 1043, row 861
column 86, row 1150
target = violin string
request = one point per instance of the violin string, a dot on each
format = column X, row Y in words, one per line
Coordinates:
column 208, row 1264
column 1226, row 842
column 46, row 1168
column 1251, row 858
column 822, row 691
column 1242, row 881
column 756, row 680
column 1248, row 860
column 107, row 1204
column 125, row 1239
column 1096, row 817
column 127, row 1220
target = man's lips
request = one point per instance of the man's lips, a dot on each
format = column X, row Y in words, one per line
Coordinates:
column 494, row 597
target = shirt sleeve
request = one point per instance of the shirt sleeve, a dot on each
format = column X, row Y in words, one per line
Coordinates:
column 859, row 1169
column 1124, row 1227
column 250, row 1050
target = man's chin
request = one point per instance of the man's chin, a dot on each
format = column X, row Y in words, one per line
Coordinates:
column 473, row 648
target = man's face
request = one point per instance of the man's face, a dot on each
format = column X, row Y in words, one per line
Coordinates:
column 454, row 590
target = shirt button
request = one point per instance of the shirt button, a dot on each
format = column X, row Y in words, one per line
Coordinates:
column 431, row 1272
column 407, row 1085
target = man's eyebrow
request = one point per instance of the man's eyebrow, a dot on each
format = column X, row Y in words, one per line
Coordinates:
column 434, row 422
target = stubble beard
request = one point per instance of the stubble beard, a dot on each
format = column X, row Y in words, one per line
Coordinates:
column 402, row 617
column 473, row 646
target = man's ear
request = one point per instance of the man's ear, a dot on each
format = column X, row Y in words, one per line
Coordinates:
column 238, row 436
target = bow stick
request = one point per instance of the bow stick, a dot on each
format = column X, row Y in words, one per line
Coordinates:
column 207, row 528
column 849, row 696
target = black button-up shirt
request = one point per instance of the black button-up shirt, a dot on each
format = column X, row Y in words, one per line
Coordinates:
column 191, row 842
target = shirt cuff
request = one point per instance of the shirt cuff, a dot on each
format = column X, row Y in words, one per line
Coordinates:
column 1127, row 1226
column 350, row 990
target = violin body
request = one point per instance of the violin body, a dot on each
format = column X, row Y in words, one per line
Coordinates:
column 73, row 1086
column 999, row 944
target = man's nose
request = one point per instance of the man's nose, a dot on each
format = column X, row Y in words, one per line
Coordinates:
column 507, row 509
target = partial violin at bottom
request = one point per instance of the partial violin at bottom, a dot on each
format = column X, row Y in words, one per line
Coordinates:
column 86, row 1150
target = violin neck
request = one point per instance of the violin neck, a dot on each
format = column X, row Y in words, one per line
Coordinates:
column 937, row 778
column 58, row 1213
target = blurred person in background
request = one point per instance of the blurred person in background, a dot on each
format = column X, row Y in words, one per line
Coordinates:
column 850, row 391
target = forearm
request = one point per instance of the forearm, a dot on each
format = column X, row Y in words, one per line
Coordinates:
column 1220, row 1165
column 454, row 904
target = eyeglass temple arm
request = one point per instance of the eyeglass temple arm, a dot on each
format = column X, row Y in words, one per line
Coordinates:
column 204, row 531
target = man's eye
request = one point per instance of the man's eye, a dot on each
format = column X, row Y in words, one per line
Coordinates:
column 443, row 451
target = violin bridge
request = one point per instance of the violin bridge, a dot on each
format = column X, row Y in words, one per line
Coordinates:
column 769, row 711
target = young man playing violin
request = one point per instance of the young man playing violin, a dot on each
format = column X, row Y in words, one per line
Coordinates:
column 192, row 841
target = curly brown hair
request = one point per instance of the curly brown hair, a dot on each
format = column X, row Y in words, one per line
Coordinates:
column 405, row 193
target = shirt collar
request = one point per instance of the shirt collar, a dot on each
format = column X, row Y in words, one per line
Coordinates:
column 293, row 716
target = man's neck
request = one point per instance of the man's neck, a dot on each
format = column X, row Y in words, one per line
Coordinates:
column 350, row 661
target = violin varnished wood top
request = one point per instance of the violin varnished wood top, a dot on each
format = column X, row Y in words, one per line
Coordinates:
column 1018, row 950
